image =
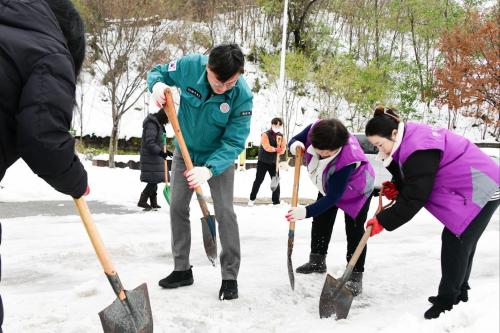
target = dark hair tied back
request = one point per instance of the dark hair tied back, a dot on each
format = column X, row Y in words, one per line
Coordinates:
column 384, row 122
column 381, row 110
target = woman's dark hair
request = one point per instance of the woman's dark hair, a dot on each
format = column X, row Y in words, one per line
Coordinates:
column 72, row 28
column 162, row 117
column 277, row 121
column 384, row 121
column 329, row 134
column 225, row 60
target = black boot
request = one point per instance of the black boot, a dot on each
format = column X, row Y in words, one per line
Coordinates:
column 463, row 297
column 154, row 202
column 143, row 201
column 316, row 264
column 439, row 306
column 228, row 290
column 355, row 283
column 177, row 279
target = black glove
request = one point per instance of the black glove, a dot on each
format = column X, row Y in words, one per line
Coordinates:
column 164, row 155
column 169, row 154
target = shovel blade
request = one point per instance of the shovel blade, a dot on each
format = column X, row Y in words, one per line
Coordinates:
column 275, row 181
column 335, row 299
column 132, row 315
column 291, row 276
column 166, row 193
column 209, row 237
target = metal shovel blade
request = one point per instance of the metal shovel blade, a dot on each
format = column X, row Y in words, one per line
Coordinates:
column 132, row 315
column 289, row 264
column 209, row 237
column 335, row 299
column 275, row 181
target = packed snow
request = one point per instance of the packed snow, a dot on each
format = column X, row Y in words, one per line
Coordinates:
column 52, row 281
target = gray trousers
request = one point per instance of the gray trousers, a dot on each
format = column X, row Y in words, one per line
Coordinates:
column 221, row 188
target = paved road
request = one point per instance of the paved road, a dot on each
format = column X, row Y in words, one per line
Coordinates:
column 55, row 208
column 66, row 207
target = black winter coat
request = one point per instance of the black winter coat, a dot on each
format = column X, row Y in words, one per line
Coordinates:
column 37, row 94
column 152, row 164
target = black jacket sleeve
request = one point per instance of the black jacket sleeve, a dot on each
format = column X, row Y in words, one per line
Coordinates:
column 415, row 186
column 43, row 123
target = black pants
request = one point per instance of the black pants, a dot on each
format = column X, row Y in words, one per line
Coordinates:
column 322, row 227
column 262, row 168
column 150, row 189
column 457, row 254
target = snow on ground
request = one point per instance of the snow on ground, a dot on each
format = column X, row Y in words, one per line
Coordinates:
column 52, row 282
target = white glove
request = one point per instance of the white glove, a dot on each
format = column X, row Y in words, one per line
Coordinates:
column 295, row 145
column 198, row 176
column 158, row 93
column 296, row 213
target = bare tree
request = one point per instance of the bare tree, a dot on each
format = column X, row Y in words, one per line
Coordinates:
column 125, row 42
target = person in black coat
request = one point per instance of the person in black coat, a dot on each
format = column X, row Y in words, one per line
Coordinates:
column 152, row 158
column 42, row 47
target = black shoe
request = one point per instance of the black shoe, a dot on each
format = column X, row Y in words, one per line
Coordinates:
column 355, row 283
column 438, row 308
column 143, row 201
column 463, row 297
column 228, row 290
column 154, row 201
column 177, row 279
column 316, row 264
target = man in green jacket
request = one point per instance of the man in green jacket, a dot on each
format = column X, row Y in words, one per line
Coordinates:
column 214, row 115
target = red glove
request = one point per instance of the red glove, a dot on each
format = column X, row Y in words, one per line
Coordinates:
column 87, row 191
column 376, row 227
column 280, row 150
column 390, row 191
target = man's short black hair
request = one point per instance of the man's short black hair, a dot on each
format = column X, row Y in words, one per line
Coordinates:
column 329, row 134
column 72, row 27
column 277, row 121
column 225, row 60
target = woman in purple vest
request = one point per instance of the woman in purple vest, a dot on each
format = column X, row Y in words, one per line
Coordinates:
column 449, row 176
column 338, row 167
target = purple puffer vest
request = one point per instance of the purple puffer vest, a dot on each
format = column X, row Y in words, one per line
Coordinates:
column 360, row 183
column 466, row 178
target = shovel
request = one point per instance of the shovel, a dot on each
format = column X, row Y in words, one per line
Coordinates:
column 275, row 181
column 166, row 189
column 291, row 227
column 208, row 220
column 131, row 311
column 335, row 297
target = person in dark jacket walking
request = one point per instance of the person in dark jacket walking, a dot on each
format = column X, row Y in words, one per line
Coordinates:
column 42, row 47
column 267, row 158
column 340, row 170
column 152, row 158
column 449, row 176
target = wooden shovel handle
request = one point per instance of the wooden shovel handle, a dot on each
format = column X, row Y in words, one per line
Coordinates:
column 296, row 179
column 169, row 108
column 278, row 144
column 95, row 238
column 366, row 235
column 166, row 166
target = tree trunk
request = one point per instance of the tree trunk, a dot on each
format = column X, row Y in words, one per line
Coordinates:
column 377, row 34
column 417, row 58
column 113, row 142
